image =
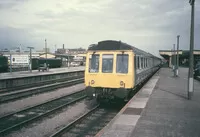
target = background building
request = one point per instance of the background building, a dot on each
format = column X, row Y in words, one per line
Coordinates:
column 20, row 59
column 61, row 51
column 48, row 55
column 170, row 57
column 76, row 51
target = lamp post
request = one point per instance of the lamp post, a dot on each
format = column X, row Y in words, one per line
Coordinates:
column 10, row 63
column 174, row 59
column 46, row 51
column 171, row 60
column 191, row 60
column 55, row 49
column 177, row 57
column 30, row 62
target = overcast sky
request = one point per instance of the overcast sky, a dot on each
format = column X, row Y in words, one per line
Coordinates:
column 150, row 25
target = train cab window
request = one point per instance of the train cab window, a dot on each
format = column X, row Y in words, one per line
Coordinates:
column 122, row 63
column 94, row 63
column 107, row 63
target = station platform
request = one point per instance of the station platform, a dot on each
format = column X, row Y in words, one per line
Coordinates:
column 198, row 78
column 160, row 109
column 36, row 72
column 26, row 78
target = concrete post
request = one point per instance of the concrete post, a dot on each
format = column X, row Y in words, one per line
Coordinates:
column 30, row 62
column 46, row 51
column 10, row 63
column 174, row 60
column 170, row 61
column 191, row 60
column 177, row 57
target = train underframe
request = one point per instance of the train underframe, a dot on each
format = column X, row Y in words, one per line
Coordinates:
column 108, row 94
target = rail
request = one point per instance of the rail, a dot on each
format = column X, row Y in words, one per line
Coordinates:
column 10, row 121
column 70, row 125
column 11, row 96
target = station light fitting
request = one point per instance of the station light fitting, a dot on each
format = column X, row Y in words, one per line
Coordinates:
column 191, row 2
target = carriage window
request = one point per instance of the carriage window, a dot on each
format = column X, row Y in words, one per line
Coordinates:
column 107, row 63
column 138, row 62
column 142, row 65
column 146, row 62
column 122, row 63
column 94, row 63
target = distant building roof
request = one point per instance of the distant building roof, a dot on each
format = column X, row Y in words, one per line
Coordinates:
column 77, row 49
column 49, row 55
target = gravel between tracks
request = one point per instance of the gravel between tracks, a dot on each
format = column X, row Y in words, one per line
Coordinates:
column 52, row 123
column 35, row 99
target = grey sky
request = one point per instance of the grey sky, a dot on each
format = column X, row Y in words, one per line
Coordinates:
column 147, row 24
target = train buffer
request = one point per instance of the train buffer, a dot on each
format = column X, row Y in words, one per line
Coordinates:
column 160, row 109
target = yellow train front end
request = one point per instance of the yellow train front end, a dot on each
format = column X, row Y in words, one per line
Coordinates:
column 109, row 74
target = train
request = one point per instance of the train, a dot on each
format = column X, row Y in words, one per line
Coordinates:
column 36, row 62
column 53, row 63
column 3, row 64
column 114, row 69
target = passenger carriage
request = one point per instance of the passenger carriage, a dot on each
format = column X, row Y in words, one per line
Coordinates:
column 114, row 69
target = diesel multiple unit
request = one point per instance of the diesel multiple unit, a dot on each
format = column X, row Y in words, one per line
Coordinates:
column 114, row 69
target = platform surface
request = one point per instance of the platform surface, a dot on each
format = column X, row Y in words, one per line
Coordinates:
column 198, row 78
column 159, row 109
column 36, row 72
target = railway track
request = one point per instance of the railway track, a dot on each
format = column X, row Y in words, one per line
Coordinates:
column 23, row 117
column 7, row 90
column 88, row 124
column 12, row 96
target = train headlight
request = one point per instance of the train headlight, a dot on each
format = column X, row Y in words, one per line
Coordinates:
column 92, row 81
column 121, row 83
